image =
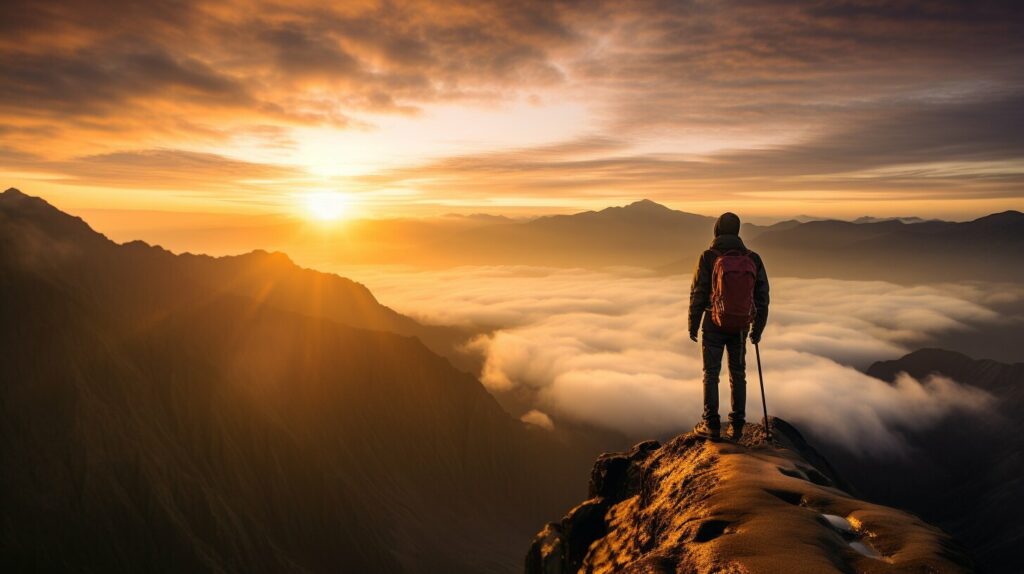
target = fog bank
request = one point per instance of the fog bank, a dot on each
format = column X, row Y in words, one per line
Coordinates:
column 611, row 348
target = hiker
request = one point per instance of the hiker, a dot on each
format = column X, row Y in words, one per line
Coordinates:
column 730, row 294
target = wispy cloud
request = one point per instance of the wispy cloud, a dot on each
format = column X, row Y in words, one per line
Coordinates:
column 938, row 149
column 844, row 99
column 181, row 172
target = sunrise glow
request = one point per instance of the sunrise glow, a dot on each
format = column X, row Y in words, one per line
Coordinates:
column 327, row 205
column 554, row 109
column 374, row 286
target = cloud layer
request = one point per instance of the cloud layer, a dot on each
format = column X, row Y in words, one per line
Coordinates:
column 611, row 349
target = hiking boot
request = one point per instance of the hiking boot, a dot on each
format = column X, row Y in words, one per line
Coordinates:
column 710, row 431
column 736, row 430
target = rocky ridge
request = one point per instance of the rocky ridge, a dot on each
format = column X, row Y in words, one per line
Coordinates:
column 696, row 505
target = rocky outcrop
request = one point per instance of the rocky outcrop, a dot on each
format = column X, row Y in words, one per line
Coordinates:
column 695, row 505
column 562, row 546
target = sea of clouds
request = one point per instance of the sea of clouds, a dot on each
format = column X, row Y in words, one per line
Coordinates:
column 611, row 348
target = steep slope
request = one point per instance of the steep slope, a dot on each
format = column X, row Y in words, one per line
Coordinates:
column 965, row 474
column 42, row 235
column 151, row 423
column 692, row 505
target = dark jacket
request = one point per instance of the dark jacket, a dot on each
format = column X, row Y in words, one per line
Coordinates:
column 700, row 289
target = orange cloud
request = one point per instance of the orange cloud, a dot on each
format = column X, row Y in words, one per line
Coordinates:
column 700, row 98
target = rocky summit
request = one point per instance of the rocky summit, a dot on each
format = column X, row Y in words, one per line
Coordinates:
column 693, row 505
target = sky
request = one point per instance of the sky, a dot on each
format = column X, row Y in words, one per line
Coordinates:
column 382, row 109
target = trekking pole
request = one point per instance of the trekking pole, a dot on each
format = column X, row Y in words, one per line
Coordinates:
column 764, row 403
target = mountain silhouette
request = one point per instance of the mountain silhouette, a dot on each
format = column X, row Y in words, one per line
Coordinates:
column 896, row 251
column 870, row 219
column 647, row 234
column 966, row 473
column 1000, row 379
column 179, row 413
column 271, row 277
column 692, row 505
column 643, row 233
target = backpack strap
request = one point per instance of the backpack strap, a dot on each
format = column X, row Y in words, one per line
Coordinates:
column 719, row 253
column 714, row 252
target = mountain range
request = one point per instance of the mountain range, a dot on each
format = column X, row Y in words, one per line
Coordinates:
column 647, row 234
column 164, row 412
column 642, row 234
column 180, row 412
column 984, row 249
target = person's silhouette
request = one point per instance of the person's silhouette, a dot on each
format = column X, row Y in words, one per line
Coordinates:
column 729, row 296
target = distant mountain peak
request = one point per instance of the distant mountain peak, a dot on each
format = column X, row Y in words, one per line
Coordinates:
column 647, row 204
column 645, row 208
column 36, row 211
column 1003, row 217
column 275, row 257
column 14, row 196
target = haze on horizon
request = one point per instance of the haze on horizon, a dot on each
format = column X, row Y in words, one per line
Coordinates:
column 391, row 109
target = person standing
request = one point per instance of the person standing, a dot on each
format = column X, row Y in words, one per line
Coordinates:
column 728, row 301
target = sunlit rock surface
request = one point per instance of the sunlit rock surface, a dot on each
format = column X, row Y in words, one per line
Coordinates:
column 694, row 505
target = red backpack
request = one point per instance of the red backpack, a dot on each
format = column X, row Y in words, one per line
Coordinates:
column 732, row 290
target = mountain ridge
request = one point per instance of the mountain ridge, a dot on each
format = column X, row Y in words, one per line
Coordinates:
column 153, row 418
column 894, row 251
column 993, row 376
column 271, row 275
column 643, row 234
column 694, row 505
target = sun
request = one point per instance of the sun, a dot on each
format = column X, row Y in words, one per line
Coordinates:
column 327, row 205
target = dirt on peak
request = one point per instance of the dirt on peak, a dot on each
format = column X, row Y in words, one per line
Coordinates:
column 696, row 505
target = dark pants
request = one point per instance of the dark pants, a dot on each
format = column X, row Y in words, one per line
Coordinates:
column 713, row 344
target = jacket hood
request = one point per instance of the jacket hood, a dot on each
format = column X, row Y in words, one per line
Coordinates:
column 728, row 242
column 728, row 224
